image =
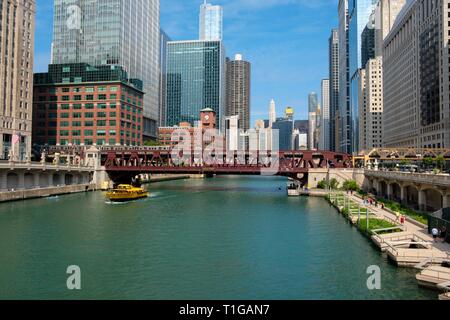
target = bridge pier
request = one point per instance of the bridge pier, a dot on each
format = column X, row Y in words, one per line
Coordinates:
column 446, row 201
column 390, row 191
column 3, row 181
column 422, row 200
column 403, row 195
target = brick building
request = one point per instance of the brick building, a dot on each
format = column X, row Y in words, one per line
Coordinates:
column 207, row 121
column 78, row 104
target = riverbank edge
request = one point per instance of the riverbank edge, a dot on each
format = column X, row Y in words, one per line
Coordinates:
column 29, row 194
column 324, row 194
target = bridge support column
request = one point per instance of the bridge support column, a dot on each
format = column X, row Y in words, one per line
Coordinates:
column 390, row 191
column 36, row 176
column 4, row 180
column 50, row 180
column 403, row 195
column 422, row 200
column 21, row 182
column 446, row 200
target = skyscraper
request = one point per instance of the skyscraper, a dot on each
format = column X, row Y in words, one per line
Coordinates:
column 416, row 77
column 368, row 38
column 325, row 116
column 16, row 76
column 164, row 38
column 211, row 21
column 195, row 80
column 272, row 113
column 238, row 91
column 334, row 85
column 113, row 32
column 313, row 107
column 344, row 115
column 313, row 102
column 359, row 12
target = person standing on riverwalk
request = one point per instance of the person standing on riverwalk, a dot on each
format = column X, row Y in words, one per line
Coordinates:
column 435, row 233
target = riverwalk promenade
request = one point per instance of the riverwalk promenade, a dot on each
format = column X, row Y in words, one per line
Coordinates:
column 407, row 244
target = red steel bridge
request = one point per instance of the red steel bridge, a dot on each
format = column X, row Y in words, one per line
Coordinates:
column 122, row 164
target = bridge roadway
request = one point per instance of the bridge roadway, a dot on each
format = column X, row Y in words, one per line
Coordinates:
column 124, row 163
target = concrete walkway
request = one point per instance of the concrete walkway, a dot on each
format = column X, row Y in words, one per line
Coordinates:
column 410, row 227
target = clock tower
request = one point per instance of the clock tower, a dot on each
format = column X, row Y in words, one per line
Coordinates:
column 208, row 118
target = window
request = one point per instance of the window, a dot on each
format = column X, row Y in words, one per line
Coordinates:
column 89, row 106
column 65, row 115
column 77, row 98
column 66, row 69
column 88, row 133
column 90, row 97
column 101, row 114
column 113, row 96
column 65, row 107
column 89, row 114
column 89, row 123
column 64, row 133
column 64, row 123
column 102, row 97
column 101, row 106
column 112, row 122
column 77, row 106
column 101, row 133
column 101, row 123
column 76, row 133
column 112, row 114
column 76, row 124
column 89, row 89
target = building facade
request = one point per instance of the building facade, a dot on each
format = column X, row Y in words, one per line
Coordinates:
column 359, row 13
column 17, row 21
column 344, row 116
column 164, row 39
column 211, row 22
column 285, row 129
column 334, row 86
column 105, row 32
column 374, row 104
column 238, row 84
column 195, row 80
column 416, row 77
column 324, row 137
column 78, row 104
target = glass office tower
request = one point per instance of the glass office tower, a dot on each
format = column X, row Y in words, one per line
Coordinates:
column 195, row 80
column 211, row 22
column 359, row 12
column 114, row 32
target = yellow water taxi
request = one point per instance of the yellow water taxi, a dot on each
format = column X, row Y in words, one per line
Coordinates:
column 126, row 192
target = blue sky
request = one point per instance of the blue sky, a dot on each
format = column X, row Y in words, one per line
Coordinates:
column 285, row 40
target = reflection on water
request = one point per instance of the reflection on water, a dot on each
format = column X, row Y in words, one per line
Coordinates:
column 223, row 238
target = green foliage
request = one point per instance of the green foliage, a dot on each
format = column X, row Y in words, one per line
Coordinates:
column 350, row 185
column 397, row 207
column 440, row 162
column 374, row 224
column 322, row 185
column 428, row 162
column 333, row 184
column 152, row 143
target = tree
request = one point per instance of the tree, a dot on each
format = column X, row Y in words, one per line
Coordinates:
column 350, row 185
column 322, row 184
column 334, row 184
column 440, row 162
column 428, row 162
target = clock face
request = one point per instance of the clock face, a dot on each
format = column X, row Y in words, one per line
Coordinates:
column 206, row 117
